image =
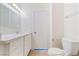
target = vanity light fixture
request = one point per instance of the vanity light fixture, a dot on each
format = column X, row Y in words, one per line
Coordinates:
column 18, row 9
column 13, row 7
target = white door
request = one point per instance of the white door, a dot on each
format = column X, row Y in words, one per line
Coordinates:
column 41, row 29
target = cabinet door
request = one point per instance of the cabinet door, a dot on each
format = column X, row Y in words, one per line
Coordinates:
column 27, row 44
column 16, row 47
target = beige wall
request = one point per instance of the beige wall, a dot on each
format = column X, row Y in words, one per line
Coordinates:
column 58, row 24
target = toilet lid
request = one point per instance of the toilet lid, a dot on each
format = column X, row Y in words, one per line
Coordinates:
column 56, row 51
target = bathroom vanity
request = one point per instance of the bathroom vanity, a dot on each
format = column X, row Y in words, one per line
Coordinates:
column 18, row 44
column 13, row 43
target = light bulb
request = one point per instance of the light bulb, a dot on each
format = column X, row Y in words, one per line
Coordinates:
column 14, row 5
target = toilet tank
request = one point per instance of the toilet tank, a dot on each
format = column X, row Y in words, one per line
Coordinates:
column 70, row 46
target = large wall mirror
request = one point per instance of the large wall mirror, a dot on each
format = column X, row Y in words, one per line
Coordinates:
column 9, row 21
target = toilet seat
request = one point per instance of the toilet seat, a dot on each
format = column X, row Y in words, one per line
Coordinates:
column 55, row 52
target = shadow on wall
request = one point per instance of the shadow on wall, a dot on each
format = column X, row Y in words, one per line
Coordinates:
column 57, row 43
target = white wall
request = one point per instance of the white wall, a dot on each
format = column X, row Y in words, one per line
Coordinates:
column 78, row 20
column 58, row 24
column 71, row 22
column 51, row 25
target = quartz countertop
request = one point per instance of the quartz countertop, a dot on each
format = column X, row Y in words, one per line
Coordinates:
column 12, row 36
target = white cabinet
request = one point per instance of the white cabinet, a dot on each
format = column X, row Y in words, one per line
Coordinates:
column 3, row 50
column 16, row 47
column 27, row 44
column 20, row 46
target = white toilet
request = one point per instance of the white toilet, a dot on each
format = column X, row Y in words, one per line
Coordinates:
column 55, row 52
column 71, row 47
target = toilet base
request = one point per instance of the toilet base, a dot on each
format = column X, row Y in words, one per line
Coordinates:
column 55, row 52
